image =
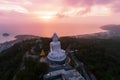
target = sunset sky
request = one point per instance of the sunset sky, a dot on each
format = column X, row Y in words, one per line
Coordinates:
column 65, row 17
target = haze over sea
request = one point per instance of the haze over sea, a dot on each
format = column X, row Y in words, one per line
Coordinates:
column 46, row 31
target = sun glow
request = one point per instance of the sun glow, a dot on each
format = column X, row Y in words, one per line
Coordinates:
column 46, row 15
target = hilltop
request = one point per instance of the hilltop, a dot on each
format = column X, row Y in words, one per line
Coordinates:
column 101, row 56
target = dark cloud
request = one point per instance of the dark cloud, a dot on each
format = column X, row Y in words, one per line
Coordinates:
column 78, row 3
column 103, row 1
column 11, row 14
column 116, row 6
column 84, row 11
column 113, row 4
column 73, row 2
column 64, row 7
column 60, row 15
column 87, row 2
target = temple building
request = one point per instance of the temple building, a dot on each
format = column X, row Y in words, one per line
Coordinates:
column 42, row 56
column 56, row 54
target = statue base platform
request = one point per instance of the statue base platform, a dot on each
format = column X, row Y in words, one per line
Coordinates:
column 66, row 61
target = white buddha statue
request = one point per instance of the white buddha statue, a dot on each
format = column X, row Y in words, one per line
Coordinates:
column 56, row 53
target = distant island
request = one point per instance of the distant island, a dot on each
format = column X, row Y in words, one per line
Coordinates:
column 5, row 34
column 111, row 31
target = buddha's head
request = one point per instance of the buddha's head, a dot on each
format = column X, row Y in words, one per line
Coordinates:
column 55, row 37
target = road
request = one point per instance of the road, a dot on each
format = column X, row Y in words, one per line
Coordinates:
column 87, row 75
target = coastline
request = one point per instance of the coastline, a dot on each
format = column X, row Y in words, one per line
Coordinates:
column 7, row 39
column 18, row 38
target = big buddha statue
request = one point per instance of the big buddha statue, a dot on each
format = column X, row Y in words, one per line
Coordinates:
column 56, row 54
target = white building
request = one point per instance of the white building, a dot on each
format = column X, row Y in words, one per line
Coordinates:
column 62, row 74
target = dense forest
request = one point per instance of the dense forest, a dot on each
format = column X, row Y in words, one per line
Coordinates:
column 101, row 57
column 11, row 59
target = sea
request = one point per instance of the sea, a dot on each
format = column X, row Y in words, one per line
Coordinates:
column 47, row 30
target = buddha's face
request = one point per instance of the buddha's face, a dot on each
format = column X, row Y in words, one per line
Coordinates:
column 55, row 37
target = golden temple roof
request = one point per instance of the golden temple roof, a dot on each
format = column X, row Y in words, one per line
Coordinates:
column 42, row 53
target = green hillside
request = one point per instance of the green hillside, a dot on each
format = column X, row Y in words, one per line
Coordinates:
column 10, row 59
column 101, row 57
